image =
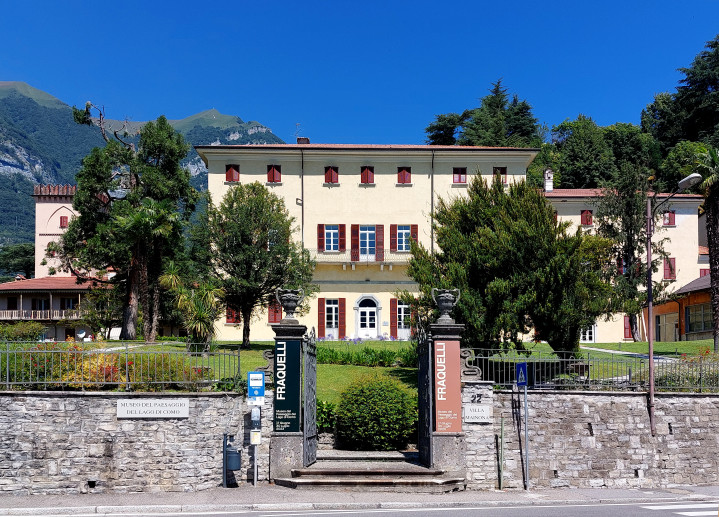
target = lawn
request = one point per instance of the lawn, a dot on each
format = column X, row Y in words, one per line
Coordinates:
column 668, row 349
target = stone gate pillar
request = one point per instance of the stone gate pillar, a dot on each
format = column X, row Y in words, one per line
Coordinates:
column 448, row 439
column 286, row 437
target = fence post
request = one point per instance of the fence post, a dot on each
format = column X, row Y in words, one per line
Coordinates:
column 127, row 367
column 7, row 365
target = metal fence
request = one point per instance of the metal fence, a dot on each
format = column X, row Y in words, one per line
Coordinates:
column 587, row 372
column 122, row 366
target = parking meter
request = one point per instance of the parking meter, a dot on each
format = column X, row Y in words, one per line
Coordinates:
column 256, row 419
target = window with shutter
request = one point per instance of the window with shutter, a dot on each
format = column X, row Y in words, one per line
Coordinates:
column 320, row 317
column 393, row 237
column 586, row 217
column 63, row 221
column 232, row 173
column 274, row 174
column 670, row 268
column 355, row 242
column 332, row 237
column 332, row 319
column 343, row 238
column 704, row 272
column 669, row 218
column 500, row 173
column 404, row 175
column 627, row 328
column 331, row 174
column 320, row 238
column 459, row 175
column 379, row 233
column 367, row 174
column 342, row 318
column 274, row 313
column 232, row 316
column 620, row 266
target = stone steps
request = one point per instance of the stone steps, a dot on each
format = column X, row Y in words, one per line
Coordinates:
column 376, row 471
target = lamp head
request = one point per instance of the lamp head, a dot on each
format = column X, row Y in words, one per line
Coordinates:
column 689, row 181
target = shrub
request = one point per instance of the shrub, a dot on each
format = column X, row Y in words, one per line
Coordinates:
column 99, row 370
column 376, row 413
column 326, row 417
column 155, row 372
column 21, row 331
column 408, row 356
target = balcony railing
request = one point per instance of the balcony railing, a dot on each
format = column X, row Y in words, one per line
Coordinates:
column 53, row 315
column 347, row 256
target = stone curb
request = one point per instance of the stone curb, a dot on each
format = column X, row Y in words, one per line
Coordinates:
column 159, row 509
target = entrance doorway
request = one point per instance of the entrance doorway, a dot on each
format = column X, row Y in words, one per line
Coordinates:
column 367, row 315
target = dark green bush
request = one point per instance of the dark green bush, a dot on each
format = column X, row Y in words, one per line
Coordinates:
column 368, row 356
column 376, row 413
column 326, row 416
column 408, row 356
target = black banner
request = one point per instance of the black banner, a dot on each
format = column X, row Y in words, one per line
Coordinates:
column 287, row 386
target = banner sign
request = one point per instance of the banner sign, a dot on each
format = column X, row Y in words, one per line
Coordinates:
column 288, row 388
column 447, row 387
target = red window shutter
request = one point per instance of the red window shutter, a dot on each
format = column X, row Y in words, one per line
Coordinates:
column 63, row 221
column 342, row 317
column 354, row 242
column 331, row 175
column 320, row 238
column 232, row 173
column 343, row 238
column 393, row 237
column 670, row 270
column 627, row 328
column 414, row 232
column 620, row 266
column 393, row 318
column 232, row 316
column 367, row 174
column 404, row 174
column 704, row 272
column 321, row 317
column 274, row 313
column 586, row 217
column 274, row 174
column 379, row 242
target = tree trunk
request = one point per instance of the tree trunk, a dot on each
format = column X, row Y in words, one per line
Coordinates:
column 145, row 299
column 155, row 313
column 712, row 211
column 129, row 312
column 246, row 314
column 634, row 326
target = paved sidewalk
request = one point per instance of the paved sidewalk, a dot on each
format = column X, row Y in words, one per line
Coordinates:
column 270, row 497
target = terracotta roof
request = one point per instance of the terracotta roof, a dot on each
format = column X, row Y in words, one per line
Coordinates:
column 702, row 283
column 703, row 250
column 370, row 147
column 596, row 192
column 54, row 190
column 46, row 283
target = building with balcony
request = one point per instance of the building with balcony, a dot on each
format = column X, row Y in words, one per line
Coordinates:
column 53, row 300
column 356, row 208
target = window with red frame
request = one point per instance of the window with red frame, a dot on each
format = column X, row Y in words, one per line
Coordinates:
column 704, row 272
column 274, row 174
column 63, row 221
column 232, row 316
column 459, row 175
column 232, row 173
column 627, row 328
column 274, row 313
column 500, row 173
column 669, row 218
column 586, row 217
column 331, row 174
column 367, row 174
column 670, row 268
column 404, row 175
column 620, row 266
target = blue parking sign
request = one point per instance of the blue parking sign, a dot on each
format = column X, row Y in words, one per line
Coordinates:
column 255, row 384
column 521, row 374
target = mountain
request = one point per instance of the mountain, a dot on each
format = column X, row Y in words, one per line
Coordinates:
column 41, row 143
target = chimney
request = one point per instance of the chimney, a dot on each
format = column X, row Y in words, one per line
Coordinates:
column 303, row 140
column 548, row 180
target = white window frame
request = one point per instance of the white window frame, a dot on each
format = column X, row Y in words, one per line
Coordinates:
column 332, row 317
column 404, row 236
column 332, row 237
column 588, row 335
column 367, row 242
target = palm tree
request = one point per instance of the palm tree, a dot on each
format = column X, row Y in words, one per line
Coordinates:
column 709, row 169
column 200, row 305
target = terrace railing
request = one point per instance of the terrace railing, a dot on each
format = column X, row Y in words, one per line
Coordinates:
column 117, row 366
column 49, row 315
column 587, row 372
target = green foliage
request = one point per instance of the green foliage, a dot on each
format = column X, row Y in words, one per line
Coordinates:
column 17, row 259
column 683, row 159
column 376, row 413
column 585, row 158
column 516, row 268
column 496, row 122
column 253, row 250
column 368, row 356
column 21, row 331
column 157, row 372
column 326, row 417
column 101, row 310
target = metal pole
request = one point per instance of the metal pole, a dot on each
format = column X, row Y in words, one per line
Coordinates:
column 526, row 439
column 254, row 461
column 224, row 460
column 501, row 453
column 650, row 315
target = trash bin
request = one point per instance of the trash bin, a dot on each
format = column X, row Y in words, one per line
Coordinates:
column 233, row 458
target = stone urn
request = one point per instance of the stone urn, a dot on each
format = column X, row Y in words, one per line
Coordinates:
column 445, row 299
column 289, row 299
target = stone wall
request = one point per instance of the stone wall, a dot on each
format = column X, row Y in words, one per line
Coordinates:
column 595, row 439
column 65, row 442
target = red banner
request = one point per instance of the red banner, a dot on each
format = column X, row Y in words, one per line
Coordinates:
column 447, row 387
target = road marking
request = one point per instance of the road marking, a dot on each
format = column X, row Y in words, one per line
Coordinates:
column 682, row 506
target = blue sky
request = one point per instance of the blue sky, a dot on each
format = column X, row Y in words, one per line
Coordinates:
column 353, row 72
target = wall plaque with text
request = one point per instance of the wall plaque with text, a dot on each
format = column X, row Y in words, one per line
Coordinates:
column 447, row 387
column 478, row 413
column 153, row 408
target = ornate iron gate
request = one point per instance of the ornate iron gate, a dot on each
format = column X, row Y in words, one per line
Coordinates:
column 309, row 398
column 425, row 398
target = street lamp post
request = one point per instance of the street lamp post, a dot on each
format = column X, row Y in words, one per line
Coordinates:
column 684, row 184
